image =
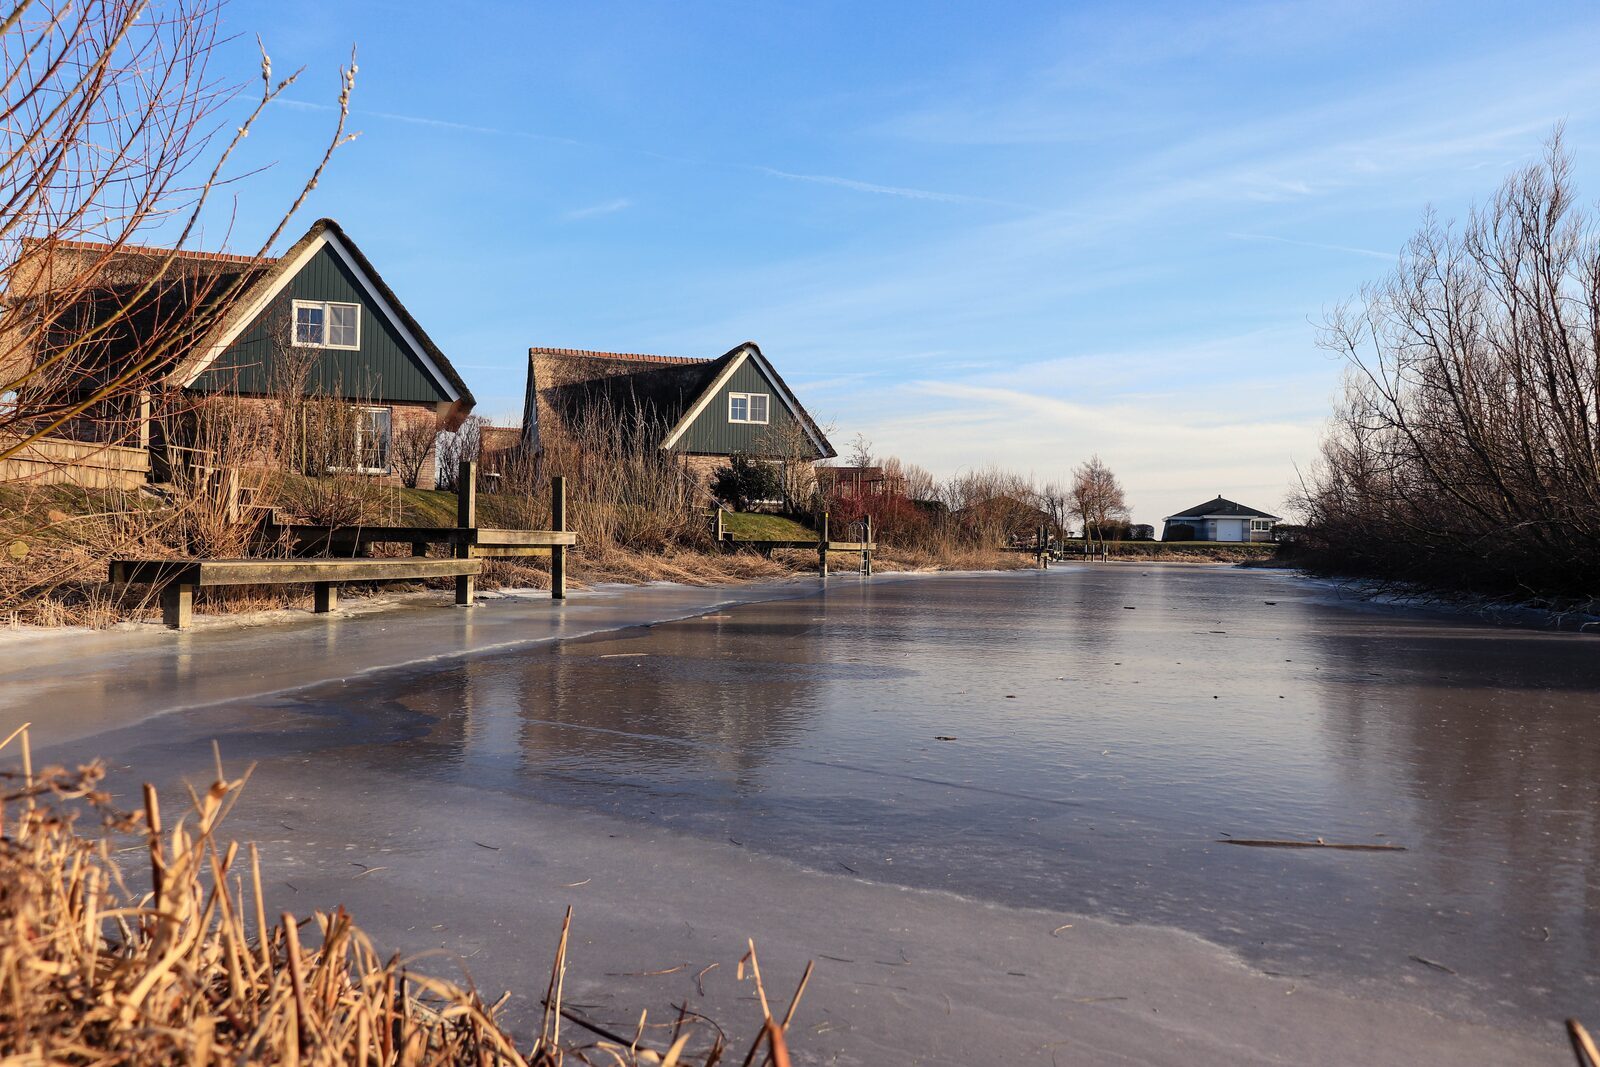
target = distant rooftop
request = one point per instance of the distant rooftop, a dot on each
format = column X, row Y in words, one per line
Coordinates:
column 1221, row 506
column 151, row 250
column 628, row 357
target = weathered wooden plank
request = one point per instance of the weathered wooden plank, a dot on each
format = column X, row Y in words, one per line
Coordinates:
column 379, row 535
column 289, row 571
column 184, row 571
column 526, row 538
column 852, row 546
column 510, row 551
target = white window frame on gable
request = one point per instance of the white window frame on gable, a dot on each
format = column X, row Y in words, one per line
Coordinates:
column 1260, row 525
column 742, row 407
column 317, row 328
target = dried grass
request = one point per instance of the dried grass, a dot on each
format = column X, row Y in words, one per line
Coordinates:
column 189, row 971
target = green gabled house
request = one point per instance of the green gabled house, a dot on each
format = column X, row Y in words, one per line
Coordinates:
column 318, row 321
column 703, row 410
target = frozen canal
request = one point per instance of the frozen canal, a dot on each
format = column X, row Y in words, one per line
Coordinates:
column 1079, row 741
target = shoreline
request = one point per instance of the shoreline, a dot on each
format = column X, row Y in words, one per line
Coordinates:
column 304, row 650
column 611, row 573
column 1525, row 615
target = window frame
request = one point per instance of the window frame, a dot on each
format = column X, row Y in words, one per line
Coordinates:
column 326, row 307
column 766, row 402
column 388, row 438
column 1260, row 525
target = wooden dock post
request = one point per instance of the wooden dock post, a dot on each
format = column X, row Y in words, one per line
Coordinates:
column 466, row 524
column 177, row 606
column 325, row 597
column 822, row 549
column 866, row 550
column 558, row 553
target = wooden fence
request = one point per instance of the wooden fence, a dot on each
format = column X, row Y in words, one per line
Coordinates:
column 90, row 464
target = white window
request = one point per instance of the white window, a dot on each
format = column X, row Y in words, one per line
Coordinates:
column 1261, row 525
column 372, row 440
column 326, row 324
column 747, row 407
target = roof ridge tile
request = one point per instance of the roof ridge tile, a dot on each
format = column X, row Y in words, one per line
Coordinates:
column 153, row 250
column 631, row 357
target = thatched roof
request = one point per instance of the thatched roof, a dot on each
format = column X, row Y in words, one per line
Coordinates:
column 634, row 391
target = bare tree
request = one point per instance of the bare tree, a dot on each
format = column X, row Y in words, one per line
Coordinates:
column 861, row 451
column 787, row 443
column 1057, row 501
column 458, row 446
column 1465, row 451
column 1097, row 498
column 112, row 130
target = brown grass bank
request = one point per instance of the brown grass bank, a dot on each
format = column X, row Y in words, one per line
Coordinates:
column 56, row 540
column 125, row 942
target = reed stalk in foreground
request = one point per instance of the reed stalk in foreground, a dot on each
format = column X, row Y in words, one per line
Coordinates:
column 95, row 972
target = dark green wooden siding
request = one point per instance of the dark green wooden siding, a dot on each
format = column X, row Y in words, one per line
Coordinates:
column 712, row 432
column 383, row 369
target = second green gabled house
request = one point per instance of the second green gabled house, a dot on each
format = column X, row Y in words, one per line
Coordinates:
column 703, row 410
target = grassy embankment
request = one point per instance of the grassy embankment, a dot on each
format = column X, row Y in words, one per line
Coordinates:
column 753, row 528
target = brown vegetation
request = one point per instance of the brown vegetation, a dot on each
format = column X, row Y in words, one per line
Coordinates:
column 101, row 970
column 1465, row 452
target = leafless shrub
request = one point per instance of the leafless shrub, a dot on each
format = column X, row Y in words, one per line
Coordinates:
column 788, row 445
column 623, row 491
column 410, row 446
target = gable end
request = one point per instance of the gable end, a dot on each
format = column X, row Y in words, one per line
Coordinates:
column 394, row 360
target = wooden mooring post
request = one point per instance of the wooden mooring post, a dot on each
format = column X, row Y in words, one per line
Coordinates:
column 466, row 519
column 866, row 549
column 822, row 549
column 558, row 522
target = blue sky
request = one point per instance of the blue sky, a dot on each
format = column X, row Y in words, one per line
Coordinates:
column 977, row 233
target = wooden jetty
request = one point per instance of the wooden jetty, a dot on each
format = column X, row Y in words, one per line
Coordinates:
column 180, row 578
column 822, row 545
column 340, row 557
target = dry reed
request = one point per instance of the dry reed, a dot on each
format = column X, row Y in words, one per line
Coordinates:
column 189, row 971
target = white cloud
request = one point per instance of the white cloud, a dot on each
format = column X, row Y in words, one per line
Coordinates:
column 1310, row 244
column 608, row 207
column 1168, row 454
column 887, row 190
